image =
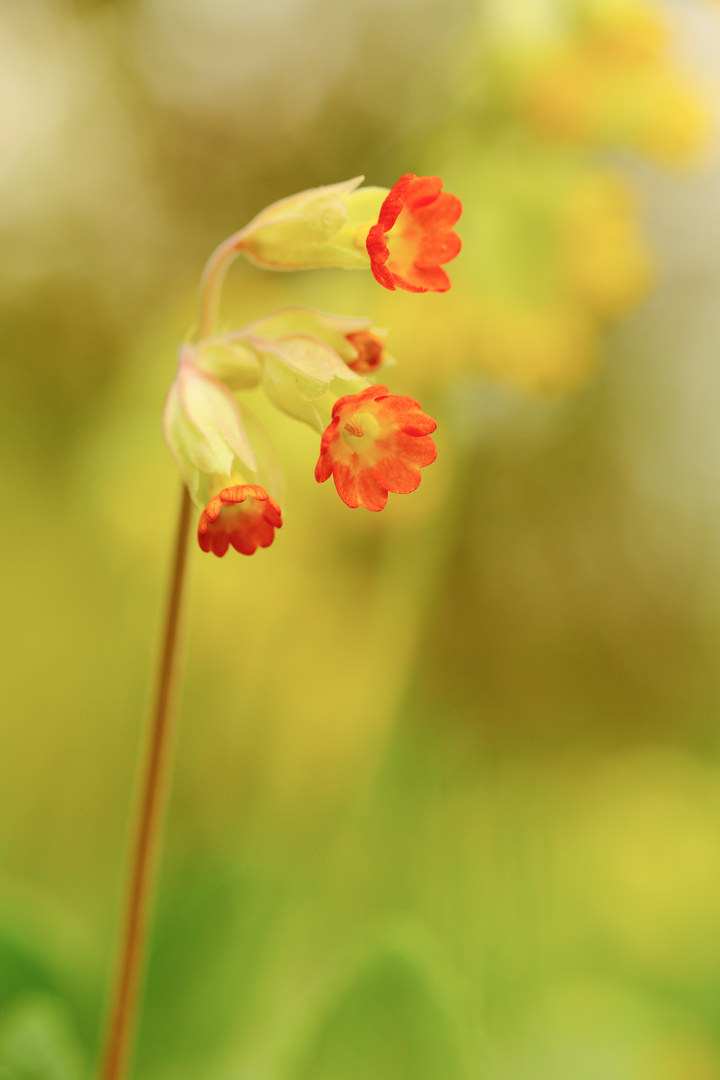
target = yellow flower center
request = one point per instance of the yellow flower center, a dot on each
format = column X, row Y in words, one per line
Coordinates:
column 360, row 426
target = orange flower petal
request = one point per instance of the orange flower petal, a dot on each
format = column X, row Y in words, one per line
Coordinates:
column 372, row 493
column 396, row 475
column 370, row 348
column 345, row 483
column 413, row 235
column 376, row 443
column 243, row 516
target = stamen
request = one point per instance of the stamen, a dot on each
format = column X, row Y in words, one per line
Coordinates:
column 354, row 427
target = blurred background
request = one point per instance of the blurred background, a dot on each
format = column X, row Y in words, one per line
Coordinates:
column 447, row 799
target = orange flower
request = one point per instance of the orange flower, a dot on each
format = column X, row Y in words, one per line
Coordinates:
column 377, row 442
column 243, row 515
column 414, row 235
column 370, row 349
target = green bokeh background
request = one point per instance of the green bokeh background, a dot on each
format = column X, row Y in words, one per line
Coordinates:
column 447, row 795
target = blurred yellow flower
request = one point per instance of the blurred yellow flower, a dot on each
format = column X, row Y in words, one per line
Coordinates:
column 539, row 346
column 601, row 254
column 605, row 79
column 586, row 97
column 558, row 248
column 578, row 261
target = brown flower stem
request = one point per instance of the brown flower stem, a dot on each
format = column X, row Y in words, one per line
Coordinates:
column 122, row 1017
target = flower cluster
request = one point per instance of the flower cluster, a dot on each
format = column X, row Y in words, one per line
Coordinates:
column 315, row 367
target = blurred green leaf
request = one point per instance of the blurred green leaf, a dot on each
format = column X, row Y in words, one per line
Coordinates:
column 388, row 1023
column 45, row 952
column 38, row 1042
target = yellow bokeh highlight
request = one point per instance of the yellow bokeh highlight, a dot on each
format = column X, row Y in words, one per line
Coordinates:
column 653, row 828
column 608, row 80
column 606, row 262
column 561, row 253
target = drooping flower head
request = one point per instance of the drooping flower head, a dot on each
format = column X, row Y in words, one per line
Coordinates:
column 414, row 236
column 377, row 442
column 243, row 515
column 313, row 366
column 404, row 234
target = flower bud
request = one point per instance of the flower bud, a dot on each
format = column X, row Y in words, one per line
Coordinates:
column 370, row 348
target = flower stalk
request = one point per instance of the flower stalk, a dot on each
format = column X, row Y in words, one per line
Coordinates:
column 145, row 857
column 212, row 282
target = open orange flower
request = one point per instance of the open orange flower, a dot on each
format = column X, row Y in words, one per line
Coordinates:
column 377, row 442
column 243, row 515
column 414, row 235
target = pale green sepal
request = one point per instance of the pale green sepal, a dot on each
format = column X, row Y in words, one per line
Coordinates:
column 313, row 358
column 303, row 320
column 298, row 370
column 211, row 408
column 364, row 204
column 310, row 205
column 341, row 387
column 363, row 211
column 292, row 392
column 269, row 472
column 289, row 247
column 332, row 329
column 295, row 233
column 302, row 396
column 234, row 363
column 180, row 435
